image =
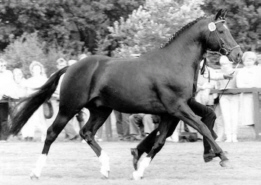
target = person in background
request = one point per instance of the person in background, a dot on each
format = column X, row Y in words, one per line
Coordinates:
column 7, row 90
column 122, row 125
column 37, row 79
column 141, row 125
column 20, row 88
column 229, row 103
column 61, row 63
column 207, row 81
column 20, row 82
column 248, row 77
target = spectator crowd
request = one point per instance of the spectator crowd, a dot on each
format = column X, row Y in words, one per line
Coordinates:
column 232, row 110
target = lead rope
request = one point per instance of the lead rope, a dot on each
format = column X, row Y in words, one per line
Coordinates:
column 223, row 90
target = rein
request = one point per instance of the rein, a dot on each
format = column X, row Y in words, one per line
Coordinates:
column 202, row 71
column 228, row 82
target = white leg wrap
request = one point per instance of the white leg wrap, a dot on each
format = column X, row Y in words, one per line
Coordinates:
column 36, row 173
column 143, row 165
column 105, row 164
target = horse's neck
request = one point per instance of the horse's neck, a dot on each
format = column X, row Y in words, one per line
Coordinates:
column 189, row 48
column 188, row 57
column 190, row 52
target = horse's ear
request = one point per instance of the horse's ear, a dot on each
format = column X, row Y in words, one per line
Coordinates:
column 221, row 14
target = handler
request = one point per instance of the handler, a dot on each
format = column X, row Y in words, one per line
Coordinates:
column 7, row 91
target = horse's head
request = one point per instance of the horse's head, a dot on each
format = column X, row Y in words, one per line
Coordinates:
column 219, row 38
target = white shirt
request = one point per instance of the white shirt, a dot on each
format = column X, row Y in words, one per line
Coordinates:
column 247, row 77
column 7, row 84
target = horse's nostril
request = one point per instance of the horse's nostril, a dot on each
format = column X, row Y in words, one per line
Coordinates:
column 239, row 56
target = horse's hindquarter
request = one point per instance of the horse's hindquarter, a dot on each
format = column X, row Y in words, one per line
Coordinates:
column 79, row 82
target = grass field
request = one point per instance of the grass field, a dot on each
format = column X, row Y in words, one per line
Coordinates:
column 74, row 163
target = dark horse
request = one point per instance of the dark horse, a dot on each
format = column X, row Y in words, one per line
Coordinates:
column 159, row 82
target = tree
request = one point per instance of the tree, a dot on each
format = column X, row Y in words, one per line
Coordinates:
column 70, row 24
column 152, row 24
column 243, row 18
column 46, row 30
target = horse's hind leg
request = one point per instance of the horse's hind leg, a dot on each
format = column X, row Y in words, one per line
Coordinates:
column 53, row 131
column 154, row 143
column 146, row 144
column 97, row 117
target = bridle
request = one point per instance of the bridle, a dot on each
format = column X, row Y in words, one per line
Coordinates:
column 224, row 50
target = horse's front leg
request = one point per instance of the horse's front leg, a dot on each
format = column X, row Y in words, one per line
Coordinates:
column 208, row 117
column 186, row 114
column 152, row 145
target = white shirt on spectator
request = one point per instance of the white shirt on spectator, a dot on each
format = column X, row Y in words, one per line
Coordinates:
column 7, row 84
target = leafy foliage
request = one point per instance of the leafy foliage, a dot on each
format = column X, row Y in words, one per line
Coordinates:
column 70, row 24
column 147, row 26
column 244, row 17
column 68, row 27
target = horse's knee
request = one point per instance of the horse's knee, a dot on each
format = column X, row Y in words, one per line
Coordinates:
column 88, row 136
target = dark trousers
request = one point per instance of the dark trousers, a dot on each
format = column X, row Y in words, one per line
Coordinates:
column 3, row 120
column 207, row 115
column 122, row 124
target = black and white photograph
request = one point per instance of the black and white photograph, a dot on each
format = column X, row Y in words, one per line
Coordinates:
column 126, row 92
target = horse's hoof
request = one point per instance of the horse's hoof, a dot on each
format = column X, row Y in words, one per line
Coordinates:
column 224, row 163
column 105, row 174
column 136, row 176
column 33, row 176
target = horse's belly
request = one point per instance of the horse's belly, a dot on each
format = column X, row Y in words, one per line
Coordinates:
column 133, row 101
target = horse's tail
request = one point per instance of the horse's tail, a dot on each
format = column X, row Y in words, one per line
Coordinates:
column 30, row 104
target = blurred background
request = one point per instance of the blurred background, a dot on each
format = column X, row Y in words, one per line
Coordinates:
column 46, row 30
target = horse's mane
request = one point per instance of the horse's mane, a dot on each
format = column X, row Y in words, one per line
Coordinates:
column 175, row 35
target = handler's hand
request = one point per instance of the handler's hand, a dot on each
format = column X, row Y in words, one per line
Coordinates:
column 229, row 76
